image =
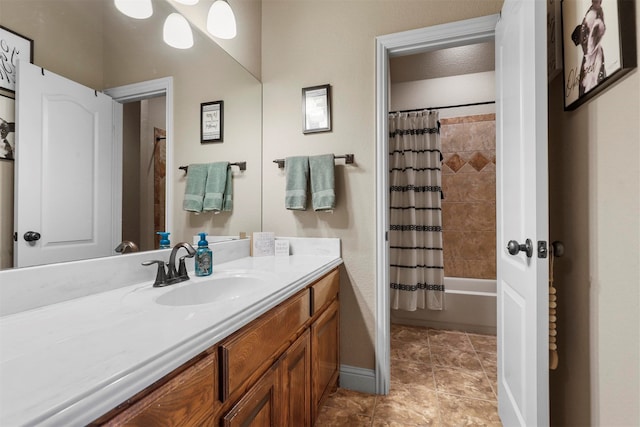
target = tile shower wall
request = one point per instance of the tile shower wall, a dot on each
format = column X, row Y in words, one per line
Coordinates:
column 469, row 205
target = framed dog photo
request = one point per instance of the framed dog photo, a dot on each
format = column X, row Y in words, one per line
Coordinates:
column 7, row 127
column 212, row 122
column 599, row 46
column 13, row 46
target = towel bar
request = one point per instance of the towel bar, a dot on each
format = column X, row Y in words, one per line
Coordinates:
column 349, row 158
column 241, row 165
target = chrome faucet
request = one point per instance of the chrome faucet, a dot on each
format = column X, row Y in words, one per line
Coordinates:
column 172, row 275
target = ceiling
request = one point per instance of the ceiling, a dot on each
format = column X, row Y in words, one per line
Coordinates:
column 454, row 61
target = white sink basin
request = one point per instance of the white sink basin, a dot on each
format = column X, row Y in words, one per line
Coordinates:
column 222, row 286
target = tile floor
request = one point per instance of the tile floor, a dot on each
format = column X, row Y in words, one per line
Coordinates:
column 438, row 378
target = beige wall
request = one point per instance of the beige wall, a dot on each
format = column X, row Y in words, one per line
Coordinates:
column 307, row 43
column 594, row 158
column 55, row 31
column 246, row 46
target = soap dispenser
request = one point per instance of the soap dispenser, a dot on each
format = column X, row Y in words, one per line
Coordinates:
column 204, row 257
column 164, row 239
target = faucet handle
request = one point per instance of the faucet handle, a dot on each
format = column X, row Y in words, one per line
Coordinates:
column 182, row 269
column 161, row 275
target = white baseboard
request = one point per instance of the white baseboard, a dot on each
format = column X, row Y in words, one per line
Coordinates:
column 358, row 379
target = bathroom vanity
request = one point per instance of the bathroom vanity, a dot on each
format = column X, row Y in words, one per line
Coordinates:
column 275, row 371
column 135, row 355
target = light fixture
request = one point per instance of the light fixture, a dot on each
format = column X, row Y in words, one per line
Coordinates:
column 220, row 21
column 177, row 32
column 188, row 2
column 138, row 9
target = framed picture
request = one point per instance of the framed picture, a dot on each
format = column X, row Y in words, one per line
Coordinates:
column 13, row 46
column 212, row 122
column 599, row 46
column 316, row 109
column 7, row 127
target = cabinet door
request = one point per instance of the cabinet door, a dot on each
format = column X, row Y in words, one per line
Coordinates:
column 325, row 355
column 187, row 399
column 260, row 406
column 295, row 368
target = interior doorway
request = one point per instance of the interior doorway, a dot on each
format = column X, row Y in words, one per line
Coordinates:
column 144, row 171
column 147, row 115
column 456, row 34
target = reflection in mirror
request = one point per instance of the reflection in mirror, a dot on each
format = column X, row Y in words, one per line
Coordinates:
column 95, row 45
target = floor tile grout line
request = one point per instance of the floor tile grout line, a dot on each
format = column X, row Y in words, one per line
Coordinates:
column 433, row 375
column 484, row 371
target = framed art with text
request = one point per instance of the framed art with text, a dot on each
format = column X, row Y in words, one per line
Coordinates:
column 13, row 46
column 212, row 122
column 599, row 46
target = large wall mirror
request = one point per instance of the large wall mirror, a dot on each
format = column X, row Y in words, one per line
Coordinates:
column 92, row 43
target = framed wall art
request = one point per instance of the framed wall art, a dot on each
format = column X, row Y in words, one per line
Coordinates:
column 212, row 122
column 7, row 127
column 599, row 46
column 13, row 46
column 316, row 109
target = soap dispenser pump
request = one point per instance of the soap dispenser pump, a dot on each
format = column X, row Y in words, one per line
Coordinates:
column 204, row 257
column 164, row 239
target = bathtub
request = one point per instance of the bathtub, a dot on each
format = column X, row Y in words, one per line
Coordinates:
column 470, row 306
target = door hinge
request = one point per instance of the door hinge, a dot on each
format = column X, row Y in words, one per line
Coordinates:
column 386, row 236
column 15, row 236
column 542, row 249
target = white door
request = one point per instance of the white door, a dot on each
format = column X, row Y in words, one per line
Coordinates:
column 67, row 170
column 522, row 213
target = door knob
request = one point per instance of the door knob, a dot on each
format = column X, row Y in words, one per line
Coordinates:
column 31, row 236
column 514, row 247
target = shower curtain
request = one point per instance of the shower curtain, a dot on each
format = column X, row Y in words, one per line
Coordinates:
column 415, row 232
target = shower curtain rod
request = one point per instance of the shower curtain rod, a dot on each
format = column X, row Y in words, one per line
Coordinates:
column 444, row 107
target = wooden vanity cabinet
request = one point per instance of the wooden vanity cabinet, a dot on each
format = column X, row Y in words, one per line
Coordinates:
column 260, row 406
column 187, row 396
column 295, row 374
column 325, row 356
column 276, row 371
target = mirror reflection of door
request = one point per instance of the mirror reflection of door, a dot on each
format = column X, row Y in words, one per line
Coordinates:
column 143, row 174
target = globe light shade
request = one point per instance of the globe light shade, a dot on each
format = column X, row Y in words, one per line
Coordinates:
column 188, row 2
column 177, row 32
column 138, row 9
column 221, row 22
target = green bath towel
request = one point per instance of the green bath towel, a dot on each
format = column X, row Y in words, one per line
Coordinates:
column 215, row 186
column 296, row 171
column 194, row 191
column 227, row 202
column 323, row 195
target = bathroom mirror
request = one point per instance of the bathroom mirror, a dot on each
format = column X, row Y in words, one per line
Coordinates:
column 92, row 43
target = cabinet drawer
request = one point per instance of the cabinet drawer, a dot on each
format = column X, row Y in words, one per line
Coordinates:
column 257, row 345
column 324, row 291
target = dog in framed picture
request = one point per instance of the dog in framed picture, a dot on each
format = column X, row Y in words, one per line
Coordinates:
column 6, row 148
column 588, row 35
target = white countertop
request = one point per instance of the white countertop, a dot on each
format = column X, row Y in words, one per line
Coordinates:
column 70, row 362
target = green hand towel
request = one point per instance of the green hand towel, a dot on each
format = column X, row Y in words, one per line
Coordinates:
column 323, row 195
column 215, row 185
column 296, row 170
column 227, row 203
column 194, row 190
